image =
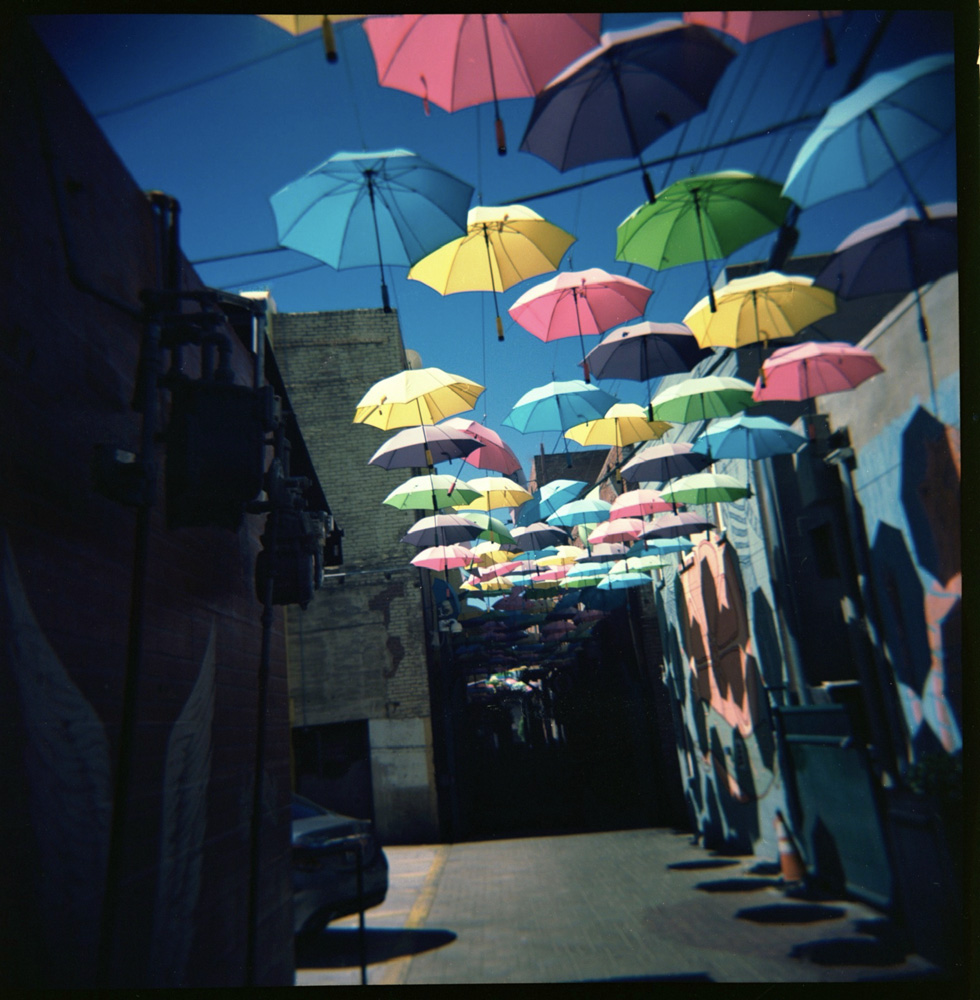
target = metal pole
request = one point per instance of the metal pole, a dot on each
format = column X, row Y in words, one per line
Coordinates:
column 361, row 936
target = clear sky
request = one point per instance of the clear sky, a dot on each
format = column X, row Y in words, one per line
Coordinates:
column 221, row 111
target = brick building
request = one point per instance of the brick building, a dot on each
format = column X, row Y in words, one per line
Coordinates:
column 362, row 737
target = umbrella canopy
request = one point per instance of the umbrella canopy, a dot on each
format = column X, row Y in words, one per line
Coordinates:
column 558, row 406
column 657, row 544
column 618, row 529
column 416, row 396
column 418, row 446
column 760, row 308
column 677, row 525
column 441, row 529
column 490, row 585
column 621, row 424
column 750, row 25
column 355, row 209
column 430, row 492
column 548, row 498
column 871, row 130
column 661, row 462
column 562, row 556
column 502, row 246
column 702, row 398
column 704, row 488
column 579, row 302
column 498, row 491
column 644, row 351
column 459, row 60
column 491, row 528
column 300, row 24
column 638, row 503
column 701, row 218
column 603, row 551
column 616, row 100
column 580, row 512
column 442, row 557
column 491, row 453
column 742, row 436
column 803, row 371
column 488, row 553
column 538, row 535
column 624, row 580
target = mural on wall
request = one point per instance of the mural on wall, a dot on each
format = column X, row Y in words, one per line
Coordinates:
column 727, row 746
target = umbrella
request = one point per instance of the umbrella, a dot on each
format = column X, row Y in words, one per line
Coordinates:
column 603, row 551
column 300, row 24
column 594, row 567
column 661, row 462
column 579, row 302
column 623, row 581
column 580, row 512
column 871, row 130
column 618, row 529
column 417, row 446
column 502, row 246
column 415, row 396
column 802, row 371
column 488, row 553
column 494, row 583
column 645, row 351
column 742, row 436
column 760, row 308
column 539, row 534
column 491, row 528
column 619, row 98
column 441, row 529
column 677, row 525
column 459, row 60
column 491, row 453
column 621, row 424
column 498, row 491
column 387, row 207
column 702, row 398
column 548, row 498
column 899, row 253
column 444, row 557
column 429, row 493
column 749, row 25
column 558, row 406
column 704, row 488
column 638, row 503
column 701, row 218
column 562, row 556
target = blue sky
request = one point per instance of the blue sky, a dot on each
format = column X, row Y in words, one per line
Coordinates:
column 273, row 108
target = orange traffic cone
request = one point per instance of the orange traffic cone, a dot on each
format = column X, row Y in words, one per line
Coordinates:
column 790, row 863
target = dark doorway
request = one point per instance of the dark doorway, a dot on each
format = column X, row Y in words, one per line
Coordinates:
column 332, row 766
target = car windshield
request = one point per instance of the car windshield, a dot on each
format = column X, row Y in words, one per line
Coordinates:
column 304, row 810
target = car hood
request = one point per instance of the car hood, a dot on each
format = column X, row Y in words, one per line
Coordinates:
column 331, row 825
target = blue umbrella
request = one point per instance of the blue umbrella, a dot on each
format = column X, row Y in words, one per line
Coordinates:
column 742, row 436
column 357, row 209
column 623, row 581
column 869, row 132
column 547, row 499
column 580, row 512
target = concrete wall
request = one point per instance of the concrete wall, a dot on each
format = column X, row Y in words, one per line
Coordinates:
column 68, row 364
column 360, row 654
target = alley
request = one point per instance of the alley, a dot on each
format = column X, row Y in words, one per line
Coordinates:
column 633, row 905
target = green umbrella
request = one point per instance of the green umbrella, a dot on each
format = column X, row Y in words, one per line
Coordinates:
column 702, row 399
column 702, row 218
column 492, row 529
column 704, row 488
column 431, row 492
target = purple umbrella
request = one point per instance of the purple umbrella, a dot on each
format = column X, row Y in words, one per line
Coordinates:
column 663, row 462
column 441, row 529
column 539, row 535
column 415, row 447
column 676, row 525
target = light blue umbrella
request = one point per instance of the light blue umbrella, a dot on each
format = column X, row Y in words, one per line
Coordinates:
column 580, row 512
column 623, row 581
column 548, row 499
column 358, row 209
column 558, row 406
column 890, row 117
column 742, row 436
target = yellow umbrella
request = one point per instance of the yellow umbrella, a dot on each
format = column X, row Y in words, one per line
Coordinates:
column 502, row 246
column 416, row 396
column 300, row 24
column 493, row 583
column 760, row 308
column 565, row 556
column 498, row 491
column 623, row 423
column 488, row 553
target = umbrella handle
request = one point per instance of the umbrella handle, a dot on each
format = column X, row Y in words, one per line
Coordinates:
column 329, row 43
column 501, row 137
column 827, row 40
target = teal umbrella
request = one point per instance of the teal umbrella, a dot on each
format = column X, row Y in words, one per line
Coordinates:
column 742, row 436
column 623, row 581
column 580, row 512
column 869, row 132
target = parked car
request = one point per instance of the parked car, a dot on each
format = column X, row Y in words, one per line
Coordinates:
column 325, row 853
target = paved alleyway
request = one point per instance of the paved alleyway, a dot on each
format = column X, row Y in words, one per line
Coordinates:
column 626, row 905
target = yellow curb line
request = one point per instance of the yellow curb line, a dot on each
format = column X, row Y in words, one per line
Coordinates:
column 396, row 972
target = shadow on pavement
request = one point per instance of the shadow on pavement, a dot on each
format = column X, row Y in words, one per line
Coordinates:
column 737, row 885
column 849, row 951
column 680, row 977
column 790, row 913
column 697, row 865
column 765, row 868
column 339, row 948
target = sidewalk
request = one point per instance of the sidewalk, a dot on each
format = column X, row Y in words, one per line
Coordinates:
column 633, row 905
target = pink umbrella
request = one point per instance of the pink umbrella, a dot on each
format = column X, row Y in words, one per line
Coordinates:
column 639, row 503
column 607, row 550
column 555, row 573
column 494, row 453
column 498, row 569
column 802, row 371
column 590, row 301
column 748, row 25
column 459, row 60
column 619, row 529
column 443, row 557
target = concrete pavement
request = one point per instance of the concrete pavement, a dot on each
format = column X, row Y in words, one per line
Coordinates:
column 631, row 905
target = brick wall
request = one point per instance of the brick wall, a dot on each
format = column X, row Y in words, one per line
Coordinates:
column 358, row 651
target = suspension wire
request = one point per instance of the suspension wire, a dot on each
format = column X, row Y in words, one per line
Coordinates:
column 270, row 277
column 353, row 102
column 220, row 74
